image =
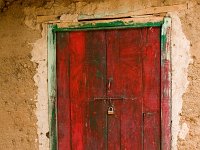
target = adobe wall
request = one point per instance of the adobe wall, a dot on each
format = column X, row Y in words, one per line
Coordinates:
column 23, row 63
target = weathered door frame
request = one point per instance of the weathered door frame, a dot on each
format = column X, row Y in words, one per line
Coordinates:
column 165, row 25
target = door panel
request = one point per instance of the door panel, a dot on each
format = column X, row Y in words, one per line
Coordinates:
column 151, row 69
column 151, row 88
column 93, row 66
column 63, row 104
column 96, row 123
column 84, row 78
column 124, row 68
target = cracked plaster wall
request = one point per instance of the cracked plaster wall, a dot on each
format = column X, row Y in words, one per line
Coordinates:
column 24, row 43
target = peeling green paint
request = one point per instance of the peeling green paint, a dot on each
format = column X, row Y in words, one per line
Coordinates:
column 52, row 87
column 107, row 25
column 166, row 82
column 165, row 29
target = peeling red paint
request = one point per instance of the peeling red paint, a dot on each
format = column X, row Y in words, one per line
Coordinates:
column 85, row 63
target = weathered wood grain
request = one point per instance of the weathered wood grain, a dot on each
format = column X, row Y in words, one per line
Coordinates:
column 109, row 63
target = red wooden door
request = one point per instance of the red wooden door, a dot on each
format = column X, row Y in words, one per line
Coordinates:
column 109, row 68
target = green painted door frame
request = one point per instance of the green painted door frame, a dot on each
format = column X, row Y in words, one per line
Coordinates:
column 165, row 25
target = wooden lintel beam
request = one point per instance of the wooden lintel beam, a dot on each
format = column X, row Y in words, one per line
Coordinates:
column 142, row 12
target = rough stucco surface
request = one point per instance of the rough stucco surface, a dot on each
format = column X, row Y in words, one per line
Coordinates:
column 191, row 104
column 17, row 90
column 180, row 47
column 23, row 63
column 39, row 56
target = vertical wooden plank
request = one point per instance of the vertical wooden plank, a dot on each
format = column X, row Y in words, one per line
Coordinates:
column 52, row 87
column 131, row 86
column 96, row 130
column 114, row 122
column 151, row 91
column 166, row 84
column 77, row 88
column 151, row 131
column 151, row 69
column 87, row 80
column 125, row 70
column 63, row 100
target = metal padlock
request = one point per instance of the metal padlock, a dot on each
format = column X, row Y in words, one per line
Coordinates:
column 110, row 110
